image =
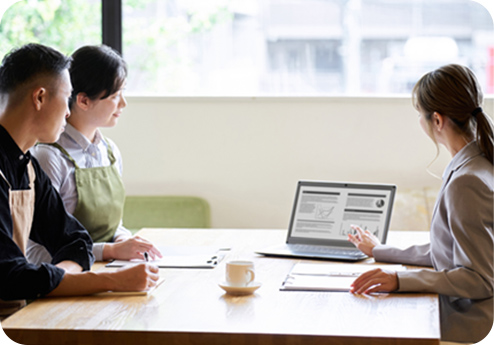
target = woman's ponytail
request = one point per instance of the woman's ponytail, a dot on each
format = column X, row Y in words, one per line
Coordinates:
column 485, row 133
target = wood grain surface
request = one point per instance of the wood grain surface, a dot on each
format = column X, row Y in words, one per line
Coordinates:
column 190, row 307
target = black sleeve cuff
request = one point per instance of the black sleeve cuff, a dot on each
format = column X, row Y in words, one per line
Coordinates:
column 78, row 251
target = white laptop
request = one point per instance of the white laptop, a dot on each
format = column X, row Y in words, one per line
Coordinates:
column 323, row 212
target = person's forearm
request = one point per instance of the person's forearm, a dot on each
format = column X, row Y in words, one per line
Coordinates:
column 69, row 266
column 83, row 283
column 133, row 278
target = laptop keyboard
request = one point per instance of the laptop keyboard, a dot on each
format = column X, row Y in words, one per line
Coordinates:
column 311, row 249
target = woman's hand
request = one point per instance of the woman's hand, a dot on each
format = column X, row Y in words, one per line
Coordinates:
column 130, row 248
column 363, row 240
column 377, row 280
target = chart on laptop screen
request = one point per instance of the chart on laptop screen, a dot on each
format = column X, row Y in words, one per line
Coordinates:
column 328, row 213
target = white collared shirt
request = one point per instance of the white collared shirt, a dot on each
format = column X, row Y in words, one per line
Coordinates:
column 62, row 171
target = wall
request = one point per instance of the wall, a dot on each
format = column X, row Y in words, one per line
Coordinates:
column 245, row 155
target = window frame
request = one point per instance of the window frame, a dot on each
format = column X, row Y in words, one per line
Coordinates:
column 111, row 19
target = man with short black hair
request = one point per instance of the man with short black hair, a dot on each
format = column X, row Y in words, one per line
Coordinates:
column 34, row 92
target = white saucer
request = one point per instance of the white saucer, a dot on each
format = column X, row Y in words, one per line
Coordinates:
column 240, row 290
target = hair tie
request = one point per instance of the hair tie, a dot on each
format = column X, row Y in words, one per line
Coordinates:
column 476, row 111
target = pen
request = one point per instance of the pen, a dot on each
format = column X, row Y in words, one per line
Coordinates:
column 146, row 256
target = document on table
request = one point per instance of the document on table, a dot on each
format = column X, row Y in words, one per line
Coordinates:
column 181, row 257
column 328, row 277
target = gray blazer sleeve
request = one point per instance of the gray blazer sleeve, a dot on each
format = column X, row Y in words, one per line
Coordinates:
column 415, row 255
column 464, row 220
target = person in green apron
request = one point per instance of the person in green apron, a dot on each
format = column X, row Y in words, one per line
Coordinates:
column 34, row 90
column 86, row 167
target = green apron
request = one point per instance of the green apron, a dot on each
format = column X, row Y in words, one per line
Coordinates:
column 100, row 197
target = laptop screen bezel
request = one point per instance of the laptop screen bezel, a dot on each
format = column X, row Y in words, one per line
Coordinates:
column 332, row 242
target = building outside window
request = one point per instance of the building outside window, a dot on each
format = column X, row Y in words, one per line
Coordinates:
column 271, row 47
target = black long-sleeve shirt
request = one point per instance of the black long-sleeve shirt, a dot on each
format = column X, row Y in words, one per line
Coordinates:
column 62, row 235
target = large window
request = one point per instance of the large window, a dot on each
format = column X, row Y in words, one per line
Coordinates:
column 301, row 47
column 270, row 47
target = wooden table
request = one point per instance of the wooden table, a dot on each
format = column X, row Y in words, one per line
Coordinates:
column 190, row 308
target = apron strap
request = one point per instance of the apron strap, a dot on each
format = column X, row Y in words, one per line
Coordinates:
column 64, row 151
column 10, row 186
column 31, row 174
column 22, row 210
column 111, row 156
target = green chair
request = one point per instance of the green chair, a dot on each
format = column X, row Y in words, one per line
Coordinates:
column 165, row 212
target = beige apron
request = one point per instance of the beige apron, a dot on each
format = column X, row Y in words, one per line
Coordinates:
column 21, row 204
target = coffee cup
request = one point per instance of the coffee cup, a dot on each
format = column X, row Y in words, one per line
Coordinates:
column 240, row 273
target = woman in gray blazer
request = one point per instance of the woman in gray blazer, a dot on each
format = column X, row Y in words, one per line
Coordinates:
column 461, row 247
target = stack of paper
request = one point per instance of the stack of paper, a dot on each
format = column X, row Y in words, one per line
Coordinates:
column 328, row 277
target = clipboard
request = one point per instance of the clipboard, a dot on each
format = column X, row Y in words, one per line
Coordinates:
column 181, row 257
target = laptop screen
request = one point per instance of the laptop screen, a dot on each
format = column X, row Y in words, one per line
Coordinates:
column 323, row 211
